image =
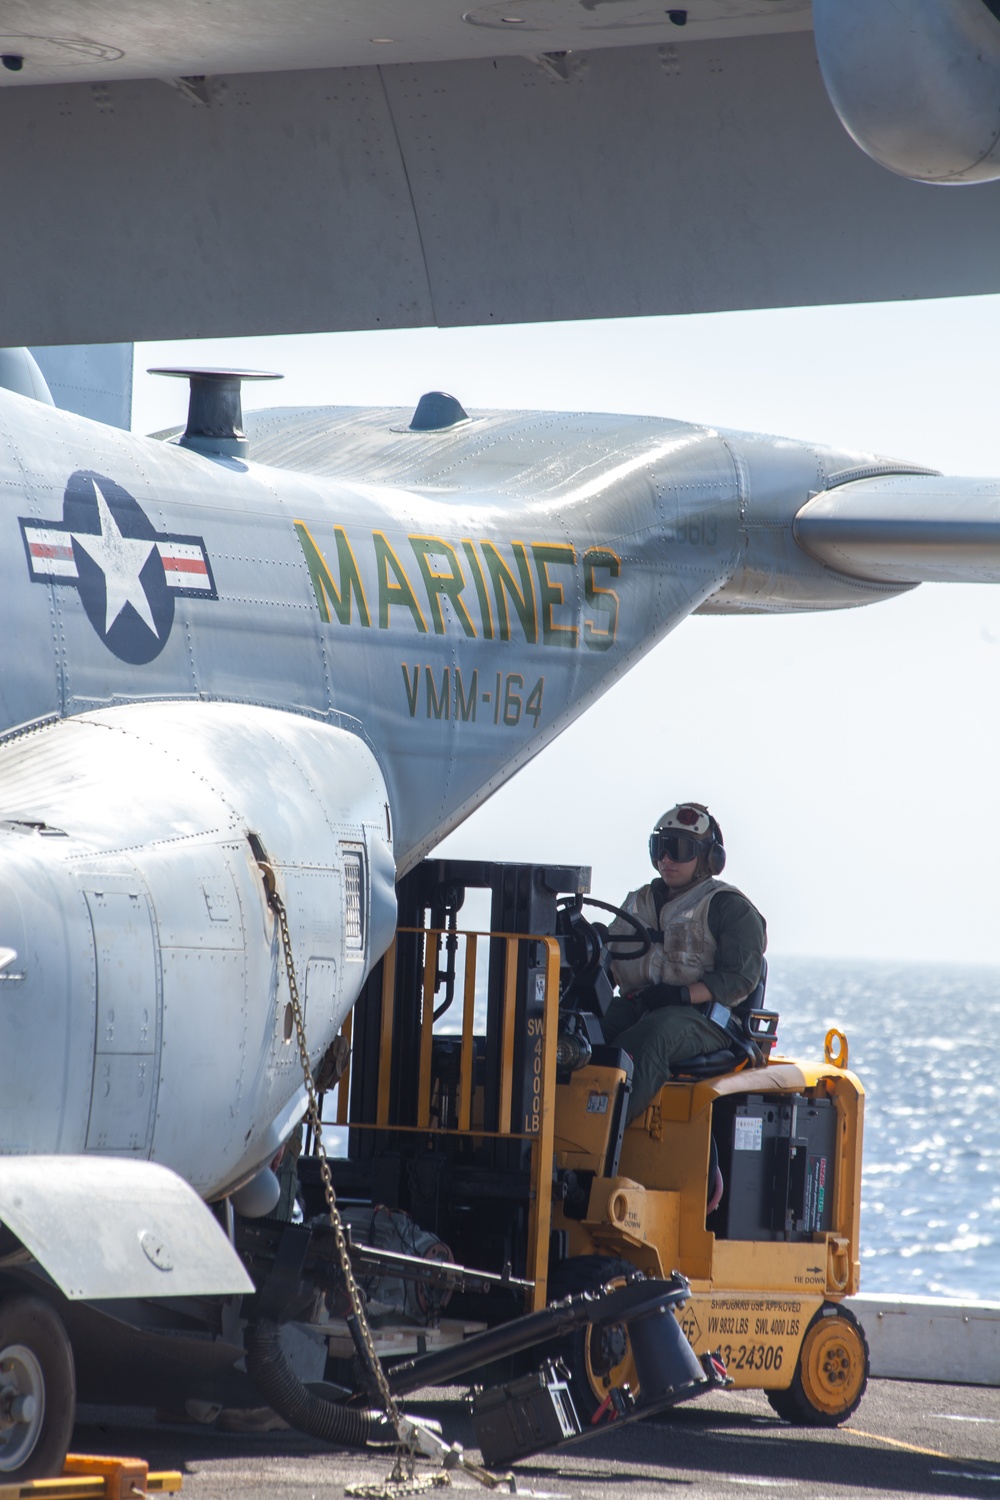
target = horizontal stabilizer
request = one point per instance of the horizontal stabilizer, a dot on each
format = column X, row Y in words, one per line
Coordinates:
column 906, row 528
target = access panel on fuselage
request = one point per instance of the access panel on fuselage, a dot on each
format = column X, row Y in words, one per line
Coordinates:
column 128, row 1030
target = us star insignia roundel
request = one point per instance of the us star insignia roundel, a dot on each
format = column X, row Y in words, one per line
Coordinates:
column 127, row 573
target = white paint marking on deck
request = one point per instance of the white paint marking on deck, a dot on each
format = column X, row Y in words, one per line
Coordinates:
column 961, row 1474
column 948, row 1416
column 746, row 1437
column 764, row 1483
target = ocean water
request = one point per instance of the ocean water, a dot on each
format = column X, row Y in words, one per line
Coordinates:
column 925, row 1042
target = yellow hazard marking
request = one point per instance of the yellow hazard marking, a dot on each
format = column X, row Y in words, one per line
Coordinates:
column 111, row 1479
column 876, row 1437
column 76, row 1487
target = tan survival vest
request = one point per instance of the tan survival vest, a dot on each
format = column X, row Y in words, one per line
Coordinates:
column 688, row 949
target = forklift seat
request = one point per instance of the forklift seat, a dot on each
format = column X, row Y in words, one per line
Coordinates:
column 752, row 1032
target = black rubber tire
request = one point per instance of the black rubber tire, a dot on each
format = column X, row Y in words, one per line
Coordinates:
column 831, row 1373
column 585, row 1360
column 36, row 1449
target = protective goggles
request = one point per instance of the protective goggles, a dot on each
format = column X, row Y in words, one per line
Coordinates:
column 676, row 846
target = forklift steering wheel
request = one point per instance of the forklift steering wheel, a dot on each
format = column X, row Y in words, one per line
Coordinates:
column 639, row 937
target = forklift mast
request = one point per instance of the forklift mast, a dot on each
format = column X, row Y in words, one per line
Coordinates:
column 392, row 1158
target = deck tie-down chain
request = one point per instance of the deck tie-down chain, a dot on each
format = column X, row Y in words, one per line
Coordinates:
column 413, row 1439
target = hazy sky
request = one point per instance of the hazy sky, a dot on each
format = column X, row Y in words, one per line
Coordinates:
column 856, row 778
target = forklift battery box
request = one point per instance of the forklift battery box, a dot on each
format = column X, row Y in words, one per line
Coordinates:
column 524, row 1416
column 778, row 1165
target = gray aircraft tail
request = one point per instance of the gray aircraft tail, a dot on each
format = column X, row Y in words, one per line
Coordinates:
column 93, row 380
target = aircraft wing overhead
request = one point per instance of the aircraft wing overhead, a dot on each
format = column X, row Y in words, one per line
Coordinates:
column 906, row 528
column 504, row 163
column 136, row 40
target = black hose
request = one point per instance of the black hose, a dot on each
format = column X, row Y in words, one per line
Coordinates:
column 343, row 1426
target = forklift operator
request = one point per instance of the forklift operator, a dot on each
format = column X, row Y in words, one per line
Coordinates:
column 707, row 949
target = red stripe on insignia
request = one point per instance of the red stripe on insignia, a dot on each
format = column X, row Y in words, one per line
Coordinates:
column 186, row 565
column 46, row 549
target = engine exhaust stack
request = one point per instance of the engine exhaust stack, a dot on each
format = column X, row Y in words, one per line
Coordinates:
column 215, row 410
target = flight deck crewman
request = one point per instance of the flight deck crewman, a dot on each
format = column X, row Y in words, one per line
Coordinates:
column 709, row 946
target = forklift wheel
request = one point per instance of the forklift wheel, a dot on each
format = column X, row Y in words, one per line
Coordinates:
column 831, row 1374
column 37, row 1391
column 597, row 1358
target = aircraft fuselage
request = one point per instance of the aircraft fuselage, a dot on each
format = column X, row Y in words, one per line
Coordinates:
column 456, row 598
column 341, row 649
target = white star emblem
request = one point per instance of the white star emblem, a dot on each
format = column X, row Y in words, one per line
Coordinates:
column 121, row 560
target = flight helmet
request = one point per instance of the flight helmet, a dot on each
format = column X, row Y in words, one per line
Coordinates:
column 688, row 831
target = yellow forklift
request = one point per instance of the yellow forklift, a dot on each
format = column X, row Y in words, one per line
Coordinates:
column 505, row 1227
column 503, row 1147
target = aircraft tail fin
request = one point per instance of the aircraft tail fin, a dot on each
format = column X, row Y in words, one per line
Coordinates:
column 19, row 373
column 906, row 528
column 93, row 380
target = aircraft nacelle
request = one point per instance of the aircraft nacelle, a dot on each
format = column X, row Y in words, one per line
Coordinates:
column 917, row 83
column 144, row 1001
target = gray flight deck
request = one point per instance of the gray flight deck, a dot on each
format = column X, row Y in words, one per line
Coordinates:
column 905, row 1439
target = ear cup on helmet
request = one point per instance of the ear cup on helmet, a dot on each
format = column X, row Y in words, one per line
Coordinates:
column 717, row 853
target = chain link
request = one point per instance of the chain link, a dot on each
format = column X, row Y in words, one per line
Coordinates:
column 403, row 1479
column 357, row 1306
column 392, row 1487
